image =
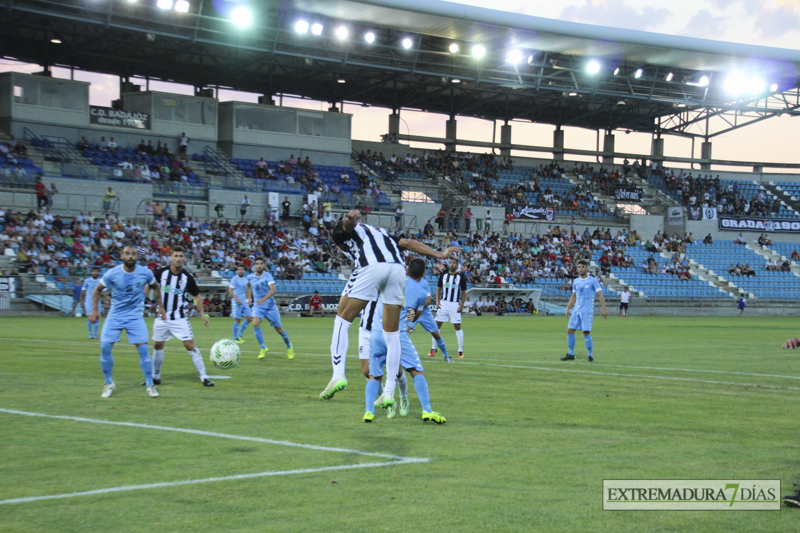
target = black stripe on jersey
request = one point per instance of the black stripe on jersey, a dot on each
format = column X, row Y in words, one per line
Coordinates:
column 375, row 248
column 368, row 316
column 165, row 295
column 391, row 245
column 453, row 293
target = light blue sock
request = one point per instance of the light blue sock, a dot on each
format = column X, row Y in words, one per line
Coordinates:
column 259, row 336
column 588, row 340
column 146, row 363
column 421, row 388
column 96, row 327
column 243, row 326
column 89, row 327
column 235, row 330
column 106, row 361
column 571, row 343
column 371, row 394
column 286, row 339
column 442, row 347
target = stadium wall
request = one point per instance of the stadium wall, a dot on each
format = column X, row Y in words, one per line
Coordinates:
column 271, row 153
column 701, row 228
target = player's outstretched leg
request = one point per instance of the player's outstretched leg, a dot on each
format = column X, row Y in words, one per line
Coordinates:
column 589, row 344
column 428, row 414
column 107, row 365
column 200, row 365
column 340, row 342
column 571, row 345
column 370, row 393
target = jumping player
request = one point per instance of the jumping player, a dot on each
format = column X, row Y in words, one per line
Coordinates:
column 584, row 287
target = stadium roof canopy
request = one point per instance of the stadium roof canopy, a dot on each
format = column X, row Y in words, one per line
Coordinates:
column 535, row 69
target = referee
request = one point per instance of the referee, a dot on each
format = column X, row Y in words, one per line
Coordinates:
column 177, row 287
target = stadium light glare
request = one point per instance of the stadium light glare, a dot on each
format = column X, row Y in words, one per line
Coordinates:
column 670, row 76
column 773, row 88
column 478, row 51
column 530, row 59
column 703, row 81
column 407, row 43
column 301, row 26
column 514, row 56
column 573, row 94
column 593, row 67
column 341, row 33
column 736, row 83
column 341, row 80
column 456, row 80
column 681, row 105
column 182, row 6
column 454, row 48
column 316, row 28
column 164, row 4
column 616, row 71
column 638, row 73
column 55, row 41
column 241, row 16
column 369, row 37
column 755, row 85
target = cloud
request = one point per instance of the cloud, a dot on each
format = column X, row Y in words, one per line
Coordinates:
column 750, row 6
column 616, row 13
column 774, row 23
column 703, row 24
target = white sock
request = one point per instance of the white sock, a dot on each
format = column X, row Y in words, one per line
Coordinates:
column 199, row 364
column 460, row 337
column 393, row 352
column 158, row 360
column 433, row 344
column 339, row 345
column 402, row 385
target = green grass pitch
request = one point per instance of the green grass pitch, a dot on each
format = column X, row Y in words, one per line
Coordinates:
column 526, row 446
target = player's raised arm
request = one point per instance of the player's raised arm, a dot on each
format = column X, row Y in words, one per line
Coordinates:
column 423, row 249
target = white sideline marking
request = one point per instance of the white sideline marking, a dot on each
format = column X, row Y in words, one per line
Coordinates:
column 124, row 488
column 616, row 374
column 219, row 377
column 209, row 434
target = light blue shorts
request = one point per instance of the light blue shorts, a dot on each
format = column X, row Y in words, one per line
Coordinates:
column 88, row 306
column 135, row 328
column 272, row 315
column 240, row 310
column 409, row 359
column 581, row 321
column 427, row 322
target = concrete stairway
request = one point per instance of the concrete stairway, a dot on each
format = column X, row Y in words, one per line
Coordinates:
column 768, row 254
column 786, row 199
column 712, row 278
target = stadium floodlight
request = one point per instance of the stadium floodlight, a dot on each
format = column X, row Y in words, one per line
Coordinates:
column 773, row 88
column 241, row 16
column 593, row 67
column 616, row 71
column 530, row 59
column 573, row 94
column 164, row 4
column 681, row 105
column 755, row 85
column 301, row 26
column 454, row 48
column 638, row 73
column 341, row 80
column 670, row 76
column 703, row 81
column 478, row 51
column 316, row 28
column 407, row 43
column 341, row 32
column 456, row 80
column 514, row 56
column 369, row 37
column 736, row 83
column 182, row 6
column 55, row 41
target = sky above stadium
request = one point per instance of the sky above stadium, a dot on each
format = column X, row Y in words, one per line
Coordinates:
column 773, row 23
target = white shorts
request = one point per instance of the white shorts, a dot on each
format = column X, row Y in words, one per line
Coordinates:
column 180, row 328
column 385, row 279
column 448, row 312
column 364, row 340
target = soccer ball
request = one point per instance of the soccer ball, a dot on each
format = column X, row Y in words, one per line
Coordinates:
column 225, row 354
column 78, row 314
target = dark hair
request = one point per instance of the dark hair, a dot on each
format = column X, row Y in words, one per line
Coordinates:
column 583, row 262
column 416, row 268
column 180, row 249
column 259, row 259
column 95, row 268
column 240, row 265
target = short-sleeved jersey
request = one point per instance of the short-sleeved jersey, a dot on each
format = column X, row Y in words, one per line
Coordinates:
column 88, row 285
column 584, row 290
column 425, row 286
column 127, row 290
column 239, row 286
column 416, row 296
column 260, row 285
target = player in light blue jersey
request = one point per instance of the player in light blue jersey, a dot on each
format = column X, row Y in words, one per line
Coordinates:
column 240, row 308
column 428, row 323
column 584, row 287
column 409, row 360
column 260, row 291
column 126, row 283
column 86, row 297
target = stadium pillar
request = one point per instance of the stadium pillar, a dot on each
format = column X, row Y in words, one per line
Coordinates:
column 394, row 127
column 505, row 139
column 705, row 153
column 450, row 133
column 657, row 152
column 758, row 170
column 558, row 144
column 608, row 147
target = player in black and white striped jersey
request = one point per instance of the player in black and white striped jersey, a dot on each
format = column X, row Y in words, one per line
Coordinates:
column 450, row 295
column 177, row 286
column 379, row 271
column 365, row 335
